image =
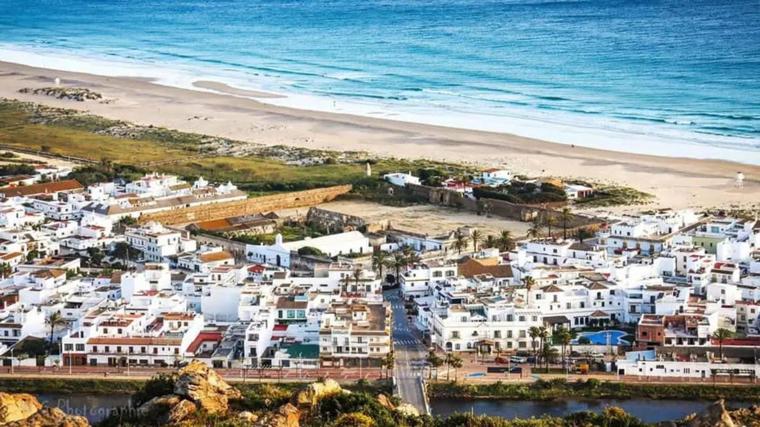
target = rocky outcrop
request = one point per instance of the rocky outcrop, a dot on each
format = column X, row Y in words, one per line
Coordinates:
column 24, row 410
column 286, row 415
column 15, row 407
column 308, row 398
column 68, row 93
column 205, row 387
column 716, row 415
column 50, row 417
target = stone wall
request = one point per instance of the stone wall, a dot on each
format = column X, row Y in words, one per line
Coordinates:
column 250, row 206
column 502, row 208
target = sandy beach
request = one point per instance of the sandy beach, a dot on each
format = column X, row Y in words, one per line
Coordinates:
column 236, row 113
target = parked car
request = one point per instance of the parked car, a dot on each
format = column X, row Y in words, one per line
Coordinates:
column 518, row 359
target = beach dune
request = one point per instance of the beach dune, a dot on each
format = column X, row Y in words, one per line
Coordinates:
column 220, row 110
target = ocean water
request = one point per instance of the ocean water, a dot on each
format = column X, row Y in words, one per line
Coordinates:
column 663, row 77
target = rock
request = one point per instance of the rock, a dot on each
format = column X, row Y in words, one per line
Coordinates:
column 14, row 407
column 385, row 401
column 314, row 392
column 714, row 415
column 181, row 411
column 286, row 416
column 159, row 405
column 408, row 410
column 50, row 417
column 248, row 417
column 205, row 387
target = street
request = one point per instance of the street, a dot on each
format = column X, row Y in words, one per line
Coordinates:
column 410, row 355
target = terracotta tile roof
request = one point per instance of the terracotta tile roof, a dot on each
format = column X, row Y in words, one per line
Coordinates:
column 135, row 341
column 48, row 187
column 472, row 267
column 215, row 256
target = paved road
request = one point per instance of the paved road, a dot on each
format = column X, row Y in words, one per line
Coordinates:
column 410, row 354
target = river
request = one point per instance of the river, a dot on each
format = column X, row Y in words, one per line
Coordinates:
column 666, row 410
column 94, row 407
column 97, row 407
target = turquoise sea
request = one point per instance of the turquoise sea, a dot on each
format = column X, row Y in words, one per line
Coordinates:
column 667, row 77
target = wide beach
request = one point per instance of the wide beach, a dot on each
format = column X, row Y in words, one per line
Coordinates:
column 220, row 110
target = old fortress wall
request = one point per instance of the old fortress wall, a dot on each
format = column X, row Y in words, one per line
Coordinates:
column 247, row 207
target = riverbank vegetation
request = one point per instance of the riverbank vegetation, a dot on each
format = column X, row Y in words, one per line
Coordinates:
column 592, row 389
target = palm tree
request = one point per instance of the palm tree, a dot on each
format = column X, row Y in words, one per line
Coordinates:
column 476, row 238
column 534, row 332
column 456, row 362
column 357, row 276
column 563, row 337
column 379, row 260
column 543, row 335
column 490, row 241
column 505, row 241
column 460, row 242
column 549, row 353
column 412, row 257
column 54, row 320
column 435, row 362
column 529, row 283
column 447, row 361
column 387, row 362
column 565, row 216
column 398, row 262
column 722, row 334
column 550, row 221
column 534, row 232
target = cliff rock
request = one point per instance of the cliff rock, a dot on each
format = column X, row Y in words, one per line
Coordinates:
column 314, row 392
column 205, row 387
column 50, row 417
column 286, row 416
column 15, row 407
column 714, row 415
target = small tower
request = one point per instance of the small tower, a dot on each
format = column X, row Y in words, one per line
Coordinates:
column 739, row 179
column 368, row 169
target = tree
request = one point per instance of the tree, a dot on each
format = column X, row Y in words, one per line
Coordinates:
column 490, row 241
column 460, row 242
column 534, row 232
column 379, row 261
column 563, row 337
column 95, row 256
column 583, row 234
column 549, row 354
column 505, row 241
column 398, row 262
column 435, row 362
column 565, row 216
column 54, row 320
column 550, row 221
column 529, row 283
column 387, row 362
column 5, row 270
column 456, row 362
column 357, row 276
column 534, row 332
column 543, row 335
column 476, row 238
column 124, row 251
column 32, row 255
column 722, row 334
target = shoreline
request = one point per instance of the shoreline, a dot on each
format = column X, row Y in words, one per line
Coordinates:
column 676, row 182
column 554, row 126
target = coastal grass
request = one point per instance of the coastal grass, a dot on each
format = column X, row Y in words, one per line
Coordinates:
column 68, row 133
column 558, row 389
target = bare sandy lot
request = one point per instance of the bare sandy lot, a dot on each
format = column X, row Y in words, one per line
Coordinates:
column 426, row 219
